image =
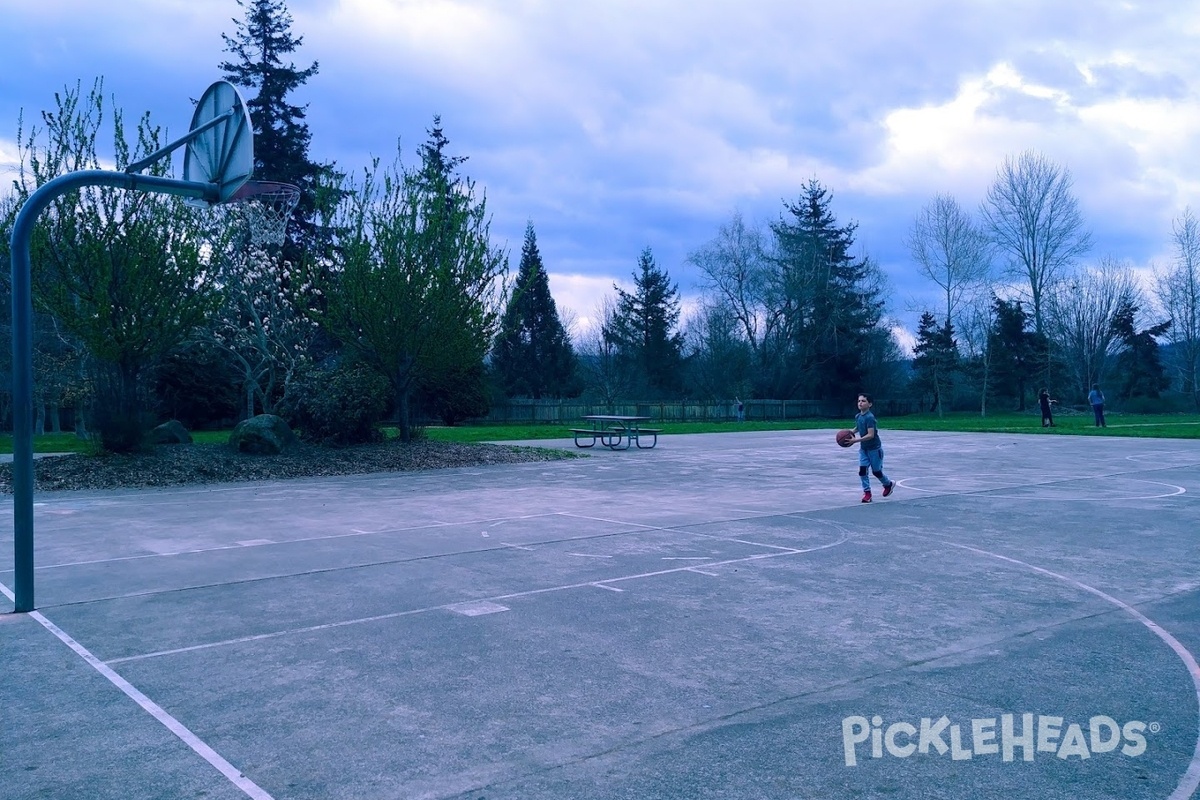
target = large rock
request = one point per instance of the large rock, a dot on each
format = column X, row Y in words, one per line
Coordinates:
column 170, row 432
column 265, row 434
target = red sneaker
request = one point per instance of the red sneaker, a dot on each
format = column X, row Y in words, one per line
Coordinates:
column 888, row 489
column 866, row 497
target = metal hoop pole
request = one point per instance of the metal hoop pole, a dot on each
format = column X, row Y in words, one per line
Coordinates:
column 22, row 346
column 168, row 148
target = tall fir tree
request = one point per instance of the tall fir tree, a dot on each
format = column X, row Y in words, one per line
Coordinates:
column 281, row 136
column 935, row 360
column 1139, row 363
column 1019, row 352
column 832, row 300
column 645, row 328
column 453, row 242
column 533, row 356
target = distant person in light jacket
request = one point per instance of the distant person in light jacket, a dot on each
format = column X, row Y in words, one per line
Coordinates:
column 1096, row 398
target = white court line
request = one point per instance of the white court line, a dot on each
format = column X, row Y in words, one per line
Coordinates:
column 232, row 773
column 702, row 572
column 354, row 532
column 1191, row 779
column 1178, row 490
column 444, row 606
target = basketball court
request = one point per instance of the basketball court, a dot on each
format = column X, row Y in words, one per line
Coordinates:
column 716, row 617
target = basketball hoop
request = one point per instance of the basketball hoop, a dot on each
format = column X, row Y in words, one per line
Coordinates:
column 263, row 209
column 256, row 215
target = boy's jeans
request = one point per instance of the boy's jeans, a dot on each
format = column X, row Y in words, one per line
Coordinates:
column 873, row 460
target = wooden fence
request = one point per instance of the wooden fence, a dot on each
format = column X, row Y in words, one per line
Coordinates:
column 565, row 411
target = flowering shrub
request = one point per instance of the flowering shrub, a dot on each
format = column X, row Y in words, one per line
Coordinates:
column 339, row 406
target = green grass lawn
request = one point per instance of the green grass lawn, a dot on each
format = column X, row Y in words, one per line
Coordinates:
column 70, row 443
column 1181, row 426
column 1168, row 426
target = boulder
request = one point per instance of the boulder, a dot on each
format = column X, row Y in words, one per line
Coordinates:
column 265, row 434
column 170, row 432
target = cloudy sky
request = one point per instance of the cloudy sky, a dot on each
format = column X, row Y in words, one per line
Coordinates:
column 614, row 125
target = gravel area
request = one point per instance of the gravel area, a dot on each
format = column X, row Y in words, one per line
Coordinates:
column 185, row 464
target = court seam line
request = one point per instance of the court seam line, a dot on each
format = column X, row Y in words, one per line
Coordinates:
column 181, row 731
column 732, row 715
column 280, row 485
column 411, row 559
column 485, row 520
column 832, row 687
column 450, row 606
column 637, row 528
column 332, row 536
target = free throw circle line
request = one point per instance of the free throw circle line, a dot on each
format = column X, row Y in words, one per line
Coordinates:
column 1191, row 778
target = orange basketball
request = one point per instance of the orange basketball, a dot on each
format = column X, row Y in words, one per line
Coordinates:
column 845, row 437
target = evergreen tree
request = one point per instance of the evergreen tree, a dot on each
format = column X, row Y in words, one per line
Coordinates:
column 1018, row 352
column 644, row 328
column 281, row 136
column 936, row 358
column 831, row 301
column 533, row 356
column 1139, row 363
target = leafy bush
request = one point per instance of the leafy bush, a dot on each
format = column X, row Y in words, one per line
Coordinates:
column 455, row 394
column 340, row 405
column 196, row 386
column 1152, row 405
column 116, row 412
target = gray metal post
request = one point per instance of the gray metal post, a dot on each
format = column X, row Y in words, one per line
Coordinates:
column 22, row 344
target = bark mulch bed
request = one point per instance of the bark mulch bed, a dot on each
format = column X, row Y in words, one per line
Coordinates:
column 188, row 464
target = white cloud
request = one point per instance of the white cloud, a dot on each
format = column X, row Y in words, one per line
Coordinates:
column 579, row 299
column 622, row 124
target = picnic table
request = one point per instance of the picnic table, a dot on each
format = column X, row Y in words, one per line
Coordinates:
column 613, row 429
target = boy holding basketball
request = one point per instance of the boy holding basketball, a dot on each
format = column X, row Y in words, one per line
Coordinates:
column 870, row 449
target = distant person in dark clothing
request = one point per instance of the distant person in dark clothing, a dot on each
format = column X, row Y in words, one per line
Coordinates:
column 1047, row 415
column 1096, row 398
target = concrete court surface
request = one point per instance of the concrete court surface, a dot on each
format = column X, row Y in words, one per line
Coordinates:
column 718, row 617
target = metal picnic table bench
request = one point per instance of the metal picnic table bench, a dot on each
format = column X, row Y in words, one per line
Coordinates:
column 611, row 429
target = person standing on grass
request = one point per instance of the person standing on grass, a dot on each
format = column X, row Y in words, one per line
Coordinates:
column 870, row 449
column 1044, row 401
column 741, row 410
column 1096, row 398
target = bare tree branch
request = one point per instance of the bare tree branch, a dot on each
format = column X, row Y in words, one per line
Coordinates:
column 1032, row 216
column 950, row 250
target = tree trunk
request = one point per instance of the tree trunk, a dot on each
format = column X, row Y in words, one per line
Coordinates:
column 39, row 420
column 55, row 419
column 249, row 399
column 984, row 392
column 402, row 414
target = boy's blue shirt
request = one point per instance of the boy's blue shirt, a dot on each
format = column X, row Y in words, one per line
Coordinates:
column 863, row 422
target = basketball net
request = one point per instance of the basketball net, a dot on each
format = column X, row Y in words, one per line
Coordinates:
column 257, row 215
